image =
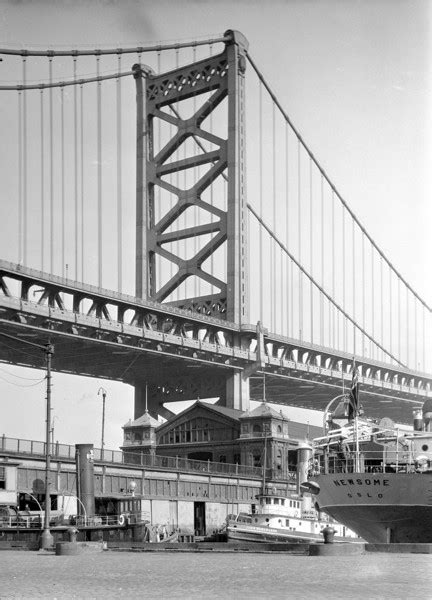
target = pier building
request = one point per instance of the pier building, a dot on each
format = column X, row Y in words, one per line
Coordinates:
column 189, row 473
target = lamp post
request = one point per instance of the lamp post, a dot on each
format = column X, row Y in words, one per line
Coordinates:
column 102, row 391
column 327, row 410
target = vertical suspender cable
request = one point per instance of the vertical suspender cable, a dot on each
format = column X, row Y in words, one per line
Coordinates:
column 322, row 328
column 24, row 163
column 287, row 224
column 407, row 326
column 299, row 239
column 75, row 120
column 82, row 178
column 20, row 180
column 399, row 319
column 273, row 286
column 382, row 303
column 99, row 169
column 353, row 284
column 344, row 324
column 311, row 304
column 42, row 188
column 424, row 344
column 51, row 130
column 372, row 312
column 62, row 176
column 333, row 272
column 292, row 298
column 363, row 293
column 390, row 310
column 415, row 334
column 260, row 145
column 119, row 183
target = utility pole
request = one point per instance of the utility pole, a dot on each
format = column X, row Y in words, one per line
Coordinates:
column 47, row 540
column 102, row 391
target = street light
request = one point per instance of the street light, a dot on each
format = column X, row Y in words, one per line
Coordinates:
column 327, row 410
column 102, row 391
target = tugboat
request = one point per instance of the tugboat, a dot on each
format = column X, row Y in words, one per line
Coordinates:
column 286, row 517
column 281, row 519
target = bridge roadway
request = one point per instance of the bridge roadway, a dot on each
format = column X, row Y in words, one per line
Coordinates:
column 104, row 334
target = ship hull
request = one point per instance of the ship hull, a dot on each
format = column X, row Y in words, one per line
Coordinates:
column 379, row 507
column 251, row 533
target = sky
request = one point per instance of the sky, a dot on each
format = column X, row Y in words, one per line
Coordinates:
column 355, row 78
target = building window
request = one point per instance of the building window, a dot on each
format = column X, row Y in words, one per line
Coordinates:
column 2, row 478
column 279, row 429
column 257, row 429
column 222, row 458
column 236, row 459
column 279, row 460
column 257, row 460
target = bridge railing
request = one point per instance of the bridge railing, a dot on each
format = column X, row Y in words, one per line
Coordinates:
column 67, row 452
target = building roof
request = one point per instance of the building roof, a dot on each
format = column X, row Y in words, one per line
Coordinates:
column 145, row 420
column 263, row 410
column 232, row 413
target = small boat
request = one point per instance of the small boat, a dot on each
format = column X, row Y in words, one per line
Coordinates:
column 282, row 518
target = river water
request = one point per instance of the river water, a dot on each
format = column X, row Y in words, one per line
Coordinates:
column 191, row 575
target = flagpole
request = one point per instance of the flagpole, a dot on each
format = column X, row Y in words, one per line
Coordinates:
column 357, row 449
column 354, row 398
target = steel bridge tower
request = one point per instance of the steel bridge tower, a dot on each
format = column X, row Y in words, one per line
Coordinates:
column 220, row 78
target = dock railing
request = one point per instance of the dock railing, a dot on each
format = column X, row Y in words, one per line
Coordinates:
column 58, row 451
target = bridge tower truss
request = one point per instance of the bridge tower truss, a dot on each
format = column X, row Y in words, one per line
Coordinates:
column 189, row 146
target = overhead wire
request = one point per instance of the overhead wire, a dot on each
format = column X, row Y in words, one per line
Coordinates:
column 20, row 376
column 22, row 385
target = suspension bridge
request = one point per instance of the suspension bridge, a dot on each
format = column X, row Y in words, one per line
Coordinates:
column 169, row 227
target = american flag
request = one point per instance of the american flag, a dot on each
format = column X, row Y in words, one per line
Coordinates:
column 353, row 406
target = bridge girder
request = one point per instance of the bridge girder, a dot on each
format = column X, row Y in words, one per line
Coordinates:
column 103, row 334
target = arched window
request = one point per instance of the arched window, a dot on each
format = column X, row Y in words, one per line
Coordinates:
column 279, row 460
column 257, row 428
